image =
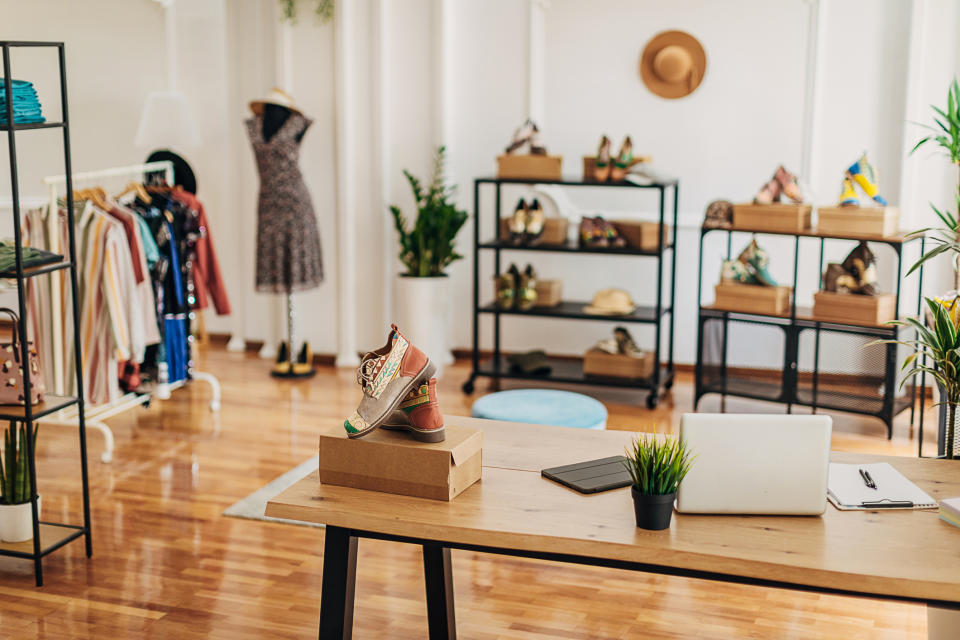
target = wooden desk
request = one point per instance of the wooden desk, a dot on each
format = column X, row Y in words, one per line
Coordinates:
column 902, row 555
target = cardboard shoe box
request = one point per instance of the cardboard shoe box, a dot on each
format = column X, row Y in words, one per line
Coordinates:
column 752, row 298
column 858, row 221
column 852, row 308
column 393, row 462
column 778, row 218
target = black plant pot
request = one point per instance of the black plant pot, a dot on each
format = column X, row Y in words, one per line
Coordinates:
column 653, row 511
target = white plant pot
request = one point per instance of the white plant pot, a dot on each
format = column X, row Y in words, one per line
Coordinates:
column 422, row 313
column 16, row 521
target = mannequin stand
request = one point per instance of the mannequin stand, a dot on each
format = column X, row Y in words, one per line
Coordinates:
column 292, row 351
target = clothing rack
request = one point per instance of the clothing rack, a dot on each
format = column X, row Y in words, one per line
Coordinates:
column 95, row 415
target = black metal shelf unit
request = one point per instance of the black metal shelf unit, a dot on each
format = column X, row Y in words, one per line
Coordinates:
column 566, row 370
column 47, row 536
column 871, row 390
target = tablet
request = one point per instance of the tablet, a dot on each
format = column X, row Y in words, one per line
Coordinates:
column 592, row 476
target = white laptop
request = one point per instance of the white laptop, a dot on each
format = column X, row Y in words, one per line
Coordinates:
column 756, row 464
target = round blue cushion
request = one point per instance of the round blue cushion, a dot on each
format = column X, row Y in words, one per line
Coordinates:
column 542, row 406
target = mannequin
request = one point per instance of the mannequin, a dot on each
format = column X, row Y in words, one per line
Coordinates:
column 288, row 244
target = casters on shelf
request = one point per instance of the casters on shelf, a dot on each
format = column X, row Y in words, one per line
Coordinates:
column 653, row 400
column 668, row 384
column 468, row 387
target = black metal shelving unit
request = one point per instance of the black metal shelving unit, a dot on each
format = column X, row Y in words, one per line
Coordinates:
column 864, row 393
column 47, row 536
column 567, row 370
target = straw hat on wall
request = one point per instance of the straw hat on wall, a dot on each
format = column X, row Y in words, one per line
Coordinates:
column 672, row 64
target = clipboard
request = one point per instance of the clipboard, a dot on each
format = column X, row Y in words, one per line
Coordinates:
column 847, row 490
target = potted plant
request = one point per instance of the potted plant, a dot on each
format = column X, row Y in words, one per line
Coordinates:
column 945, row 240
column 16, row 520
column 657, row 466
column 422, row 292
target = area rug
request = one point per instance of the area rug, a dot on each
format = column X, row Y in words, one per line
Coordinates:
column 253, row 506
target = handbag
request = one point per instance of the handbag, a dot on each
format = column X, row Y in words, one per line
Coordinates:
column 11, row 370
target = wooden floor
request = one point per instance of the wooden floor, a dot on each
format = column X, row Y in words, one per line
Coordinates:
column 167, row 565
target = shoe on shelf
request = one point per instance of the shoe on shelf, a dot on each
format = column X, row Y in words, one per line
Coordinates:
column 769, row 193
column 304, row 362
column 604, row 163
column 505, row 289
column 531, row 363
column 866, row 176
column 522, row 136
column 626, row 344
column 848, row 195
column 419, row 414
column 736, row 272
column 517, row 223
column 282, row 365
column 386, row 376
column 623, row 161
column 861, row 265
column 526, row 288
column 591, row 234
column 757, row 262
column 533, row 226
column 536, row 147
column 614, row 239
column 788, row 184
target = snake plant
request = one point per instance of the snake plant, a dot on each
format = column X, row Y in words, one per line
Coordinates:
column 657, row 466
column 14, row 472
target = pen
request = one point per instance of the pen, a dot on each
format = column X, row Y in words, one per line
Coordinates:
column 867, row 480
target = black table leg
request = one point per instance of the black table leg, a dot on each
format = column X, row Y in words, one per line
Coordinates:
column 438, row 575
column 339, row 584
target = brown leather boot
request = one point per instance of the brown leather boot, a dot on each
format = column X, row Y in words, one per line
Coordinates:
column 419, row 413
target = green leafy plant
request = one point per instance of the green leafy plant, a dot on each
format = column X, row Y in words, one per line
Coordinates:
column 429, row 246
column 657, row 466
column 938, row 344
column 14, row 472
column 946, row 133
column 323, row 11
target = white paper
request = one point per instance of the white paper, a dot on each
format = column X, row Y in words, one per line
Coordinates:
column 846, row 488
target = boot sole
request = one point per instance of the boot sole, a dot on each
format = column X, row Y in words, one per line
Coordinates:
column 426, row 373
column 433, row 435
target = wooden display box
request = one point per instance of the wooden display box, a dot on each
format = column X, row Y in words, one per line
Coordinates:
column 779, row 218
column 752, row 298
column 393, row 462
column 852, row 308
column 617, row 365
column 530, row 166
column 858, row 221
column 554, row 230
column 549, row 293
column 642, row 235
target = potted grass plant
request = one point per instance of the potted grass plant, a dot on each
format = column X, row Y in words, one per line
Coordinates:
column 16, row 518
column 657, row 466
column 427, row 248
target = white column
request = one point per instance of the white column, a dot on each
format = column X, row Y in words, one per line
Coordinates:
column 344, row 79
column 382, row 136
column 536, row 62
column 813, row 91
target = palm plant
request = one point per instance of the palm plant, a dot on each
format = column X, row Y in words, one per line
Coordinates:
column 429, row 246
column 657, row 466
column 14, row 472
column 939, row 345
column 946, row 136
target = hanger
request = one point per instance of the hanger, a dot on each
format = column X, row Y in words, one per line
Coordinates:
column 134, row 187
column 97, row 195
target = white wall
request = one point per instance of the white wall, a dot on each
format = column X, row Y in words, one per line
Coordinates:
column 722, row 141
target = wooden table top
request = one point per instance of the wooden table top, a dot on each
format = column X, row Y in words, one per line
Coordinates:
column 901, row 554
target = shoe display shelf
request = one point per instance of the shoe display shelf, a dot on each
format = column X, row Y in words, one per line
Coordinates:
column 817, row 363
column 47, row 536
column 660, row 313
